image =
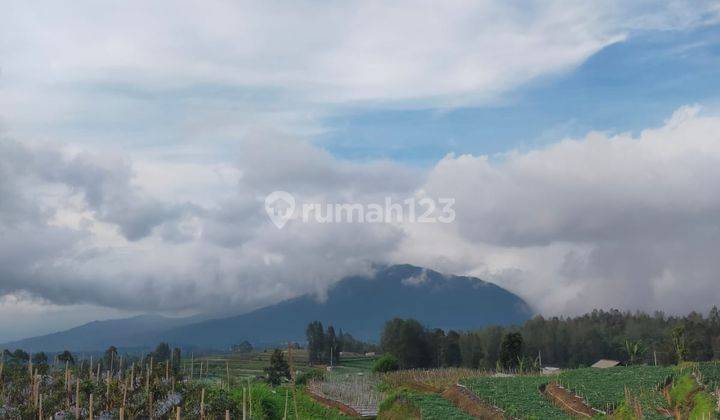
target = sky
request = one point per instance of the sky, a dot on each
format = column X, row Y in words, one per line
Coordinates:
column 580, row 143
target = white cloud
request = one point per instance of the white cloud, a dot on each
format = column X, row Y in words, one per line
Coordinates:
column 144, row 154
column 146, row 74
column 601, row 221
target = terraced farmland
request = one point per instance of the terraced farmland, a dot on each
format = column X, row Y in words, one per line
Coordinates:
column 709, row 374
column 433, row 406
column 516, row 396
column 604, row 389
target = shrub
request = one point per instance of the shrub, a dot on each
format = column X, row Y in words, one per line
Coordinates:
column 386, row 363
column 312, row 374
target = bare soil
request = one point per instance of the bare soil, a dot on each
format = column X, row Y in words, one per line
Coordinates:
column 471, row 404
column 567, row 401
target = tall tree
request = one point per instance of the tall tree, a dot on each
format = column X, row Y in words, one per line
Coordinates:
column 511, row 350
column 278, row 368
column 316, row 342
column 162, row 352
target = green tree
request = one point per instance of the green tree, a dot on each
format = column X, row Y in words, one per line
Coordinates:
column 407, row 340
column 278, row 368
column 453, row 356
column 511, row 350
column 332, row 348
column 635, row 350
column 316, row 342
column 679, row 344
column 386, row 363
column 66, row 356
column 162, row 352
column 39, row 358
column 110, row 357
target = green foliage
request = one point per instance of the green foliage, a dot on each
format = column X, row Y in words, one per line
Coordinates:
column 517, row 396
column 689, row 400
column 434, row 406
column 310, row 375
column 278, row 369
column 605, row 388
column 511, row 350
column 269, row 404
column 386, row 363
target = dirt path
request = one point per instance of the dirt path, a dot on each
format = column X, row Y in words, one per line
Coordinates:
column 468, row 402
column 569, row 402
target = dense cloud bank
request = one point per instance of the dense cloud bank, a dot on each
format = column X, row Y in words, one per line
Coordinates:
column 621, row 221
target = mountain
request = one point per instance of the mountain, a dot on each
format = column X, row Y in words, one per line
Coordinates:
column 362, row 305
column 359, row 305
column 99, row 335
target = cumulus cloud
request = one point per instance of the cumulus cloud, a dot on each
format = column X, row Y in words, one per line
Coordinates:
column 601, row 221
column 143, row 155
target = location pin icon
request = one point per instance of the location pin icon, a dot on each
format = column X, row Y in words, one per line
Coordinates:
column 280, row 206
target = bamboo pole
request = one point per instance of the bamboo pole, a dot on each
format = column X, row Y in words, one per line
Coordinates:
column 167, row 371
column 227, row 414
column 243, row 409
column 132, row 376
column 192, row 364
column 90, row 411
column 77, row 398
column 227, row 370
column 107, row 391
column 286, row 401
column 125, row 387
column 202, row 404
column 40, row 410
column 177, row 413
column 122, row 413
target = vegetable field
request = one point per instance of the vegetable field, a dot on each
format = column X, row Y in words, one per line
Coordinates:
column 708, row 373
column 604, row 389
column 517, row 396
column 433, row 406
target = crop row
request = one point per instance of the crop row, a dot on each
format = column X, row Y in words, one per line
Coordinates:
column 605, row 389
column 517, row 396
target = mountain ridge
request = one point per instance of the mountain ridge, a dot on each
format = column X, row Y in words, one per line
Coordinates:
column 360, row 305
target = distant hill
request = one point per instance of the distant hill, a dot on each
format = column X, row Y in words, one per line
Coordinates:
column 359, row 305
column 99, row 335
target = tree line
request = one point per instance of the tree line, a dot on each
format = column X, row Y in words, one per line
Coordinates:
column 324, row 345
column 630, row 337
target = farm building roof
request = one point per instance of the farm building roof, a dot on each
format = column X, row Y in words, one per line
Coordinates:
column 605, row 363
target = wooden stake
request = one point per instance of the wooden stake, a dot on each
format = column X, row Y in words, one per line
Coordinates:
column 77, row 398
column 132, row 376
column 90, row 411
column 107, row 390
column 177, row 413
column 125, row 387
column 227, row 370
column 122, row 413
column 286, row 401
column 167, row 371
column 202, row 405
column 243, row 410
column 227, row 414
